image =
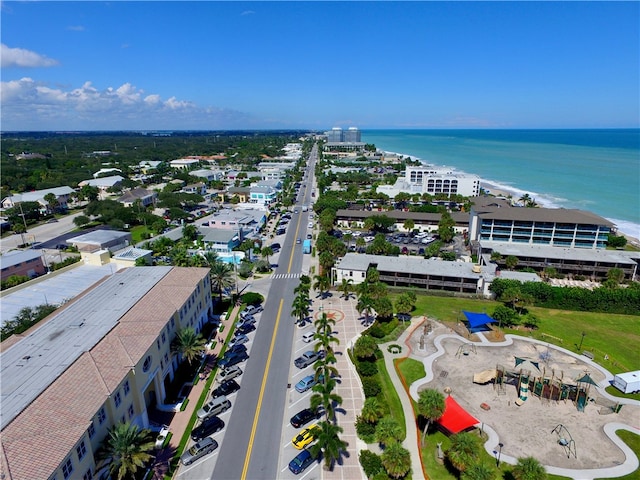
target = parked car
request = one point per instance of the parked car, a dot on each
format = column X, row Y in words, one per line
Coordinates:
column 233, row 359
column 305, row 437
column 308, row 337
column 307, row 358
column 301, row 461
column 251, row 310
column 239, row 339
column 236, row 349
column 225, row 388
column 200, row 449
column 305, row 416
column 305, row 384
column 275, row 247
column 208, row 427
column 231, row 372
column 246, row 328
column 213, row 407
column 248, row 320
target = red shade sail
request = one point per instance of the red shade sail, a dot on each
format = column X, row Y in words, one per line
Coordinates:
column 455, row 418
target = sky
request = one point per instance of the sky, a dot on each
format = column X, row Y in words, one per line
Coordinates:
column 155, row 65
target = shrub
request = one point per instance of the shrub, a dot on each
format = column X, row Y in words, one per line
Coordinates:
column 252, row 298
column 367, row 369
column 371, row 463
column 366, row 431
column 371, row 386
column 376, row 331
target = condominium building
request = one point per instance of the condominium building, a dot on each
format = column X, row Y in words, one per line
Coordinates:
column 101, row 359
column 433, row 181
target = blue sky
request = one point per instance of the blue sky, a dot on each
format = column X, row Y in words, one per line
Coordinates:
column 315, row 65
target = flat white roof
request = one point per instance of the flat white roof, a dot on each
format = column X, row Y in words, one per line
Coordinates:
column 35, row 362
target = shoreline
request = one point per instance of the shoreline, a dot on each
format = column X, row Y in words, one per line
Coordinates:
column 498, row 191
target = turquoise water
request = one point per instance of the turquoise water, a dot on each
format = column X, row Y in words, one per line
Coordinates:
column 594, row 170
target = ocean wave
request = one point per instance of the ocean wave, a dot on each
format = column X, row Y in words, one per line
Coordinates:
column 628, row 228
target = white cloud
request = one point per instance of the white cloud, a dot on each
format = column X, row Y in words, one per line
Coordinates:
column 76, row 28
column 31, row 105
column 20, row 57
column 248, row 12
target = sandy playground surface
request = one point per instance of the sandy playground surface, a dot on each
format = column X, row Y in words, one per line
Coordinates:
column 527, row 430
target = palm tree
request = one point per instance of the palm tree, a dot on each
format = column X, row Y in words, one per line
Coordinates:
column 431, row 406
column 324, row 325
column 346, row 287
column 388, row 431
column 371, row 410
column 324, row 395
column 365, row 304
column 524, row 199
column 360, row 243
column 329, row 444
column 126, row 449
column 464, row 450
column 300, row 307
column 210, row 258
column 321, row 284
column 396, row 460
column 480, row 471
column 348, row 238
column 326, row 260
column 266, row 252
column 409, row 225
column 221, row 276
column 529, row 468
column 189, row 344
column 365, row 347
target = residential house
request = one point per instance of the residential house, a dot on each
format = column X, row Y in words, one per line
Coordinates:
column 26, row 263
column 199, row 188
column 262, row 195
column 208, row 174
column 247, row 220
column 144, row 196
column 219, row 240
column 63, row 196
column 184, row 163
column 103, row 184
column 111, row 240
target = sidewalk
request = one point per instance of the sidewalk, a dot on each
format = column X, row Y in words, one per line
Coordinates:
column 412, row 439
column 180, row 420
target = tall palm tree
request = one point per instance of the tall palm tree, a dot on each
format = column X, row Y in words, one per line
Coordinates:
column 346, row 287
column 323, row 394
column 326, row 260
column 371, row 410
column 210, row 258
column 126, row 449
column 524, row 199
column 188, row 344
column 266, row 252
column 479, row 471
column 431, row 406
column 322, row 284
column 360, row 242
column 324, row 325
column 300, row 307
column 396, row 460
column 464, row 450
column 365, row 305
column 348, row 238
column 529, row 468
column 329, row 444
column 388, row 431
column 221, row 276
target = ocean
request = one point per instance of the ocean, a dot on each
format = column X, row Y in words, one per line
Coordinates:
column 594, row 170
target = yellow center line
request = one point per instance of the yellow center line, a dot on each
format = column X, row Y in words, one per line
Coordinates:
column 262, row 387
column 293, row 249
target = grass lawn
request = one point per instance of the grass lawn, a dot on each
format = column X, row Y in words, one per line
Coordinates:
column 138, row 233
column 603, row 332
column 633, row 441
column 391, row 396
column 410, row 369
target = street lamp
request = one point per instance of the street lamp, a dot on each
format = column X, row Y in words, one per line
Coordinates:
column 581, row 340
column 499, row 453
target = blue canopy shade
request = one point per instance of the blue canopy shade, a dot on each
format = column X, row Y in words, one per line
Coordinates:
column 477, row 319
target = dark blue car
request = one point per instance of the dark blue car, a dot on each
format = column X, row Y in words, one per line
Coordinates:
column 301, row 462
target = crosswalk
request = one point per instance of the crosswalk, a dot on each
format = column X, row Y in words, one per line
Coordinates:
column 279, row 276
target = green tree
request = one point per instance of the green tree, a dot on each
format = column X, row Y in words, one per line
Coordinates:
column 529, row 468
column 445, row 227
column 321, row 284
column 464, row 450
column 365, row 305
column 189, row 233
column 384, row 307
column 365, row 347
column 525, row 199
column 346, row 287
column 404, row 303
column 408, row 225
column 300, row 307
column 266, row 252
column 431, row 406
column 221, row 276
column 81, row 220
column 615, row 274
column 188, row 344
column 396, row 460
column 371, row 410
column 479, row 471
column 329, row 444
column 52, row 202
column 347, row 238
column 511, row 262
column 326, row 260
column 126, row 449
column 388, row 431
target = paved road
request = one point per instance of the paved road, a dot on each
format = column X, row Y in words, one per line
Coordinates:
column 251, row 448
column 45, row 234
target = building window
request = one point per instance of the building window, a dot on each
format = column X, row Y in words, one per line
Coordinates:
column 166, row 357
column 117, row 400
column 91, row 430
column 158, row 341
column 67, row 468
column 164, row 338
column 130, row 411
column 81, row 450
column 102, row 416
column 88, row 475
column 173, row 322
column 147, row 363
column 126, row 388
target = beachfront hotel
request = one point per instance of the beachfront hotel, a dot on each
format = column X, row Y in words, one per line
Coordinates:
column 101, row 359
column 433, row 181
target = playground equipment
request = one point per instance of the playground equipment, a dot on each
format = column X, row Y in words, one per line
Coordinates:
column 530, row 378
column 466, row 349
column 565, row 440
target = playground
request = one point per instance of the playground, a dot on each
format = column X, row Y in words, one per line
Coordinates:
column 540, row 400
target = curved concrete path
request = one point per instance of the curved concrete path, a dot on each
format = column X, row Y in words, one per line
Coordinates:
column 631, row 462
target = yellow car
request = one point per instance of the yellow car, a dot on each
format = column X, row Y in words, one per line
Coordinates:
column 305, row 437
